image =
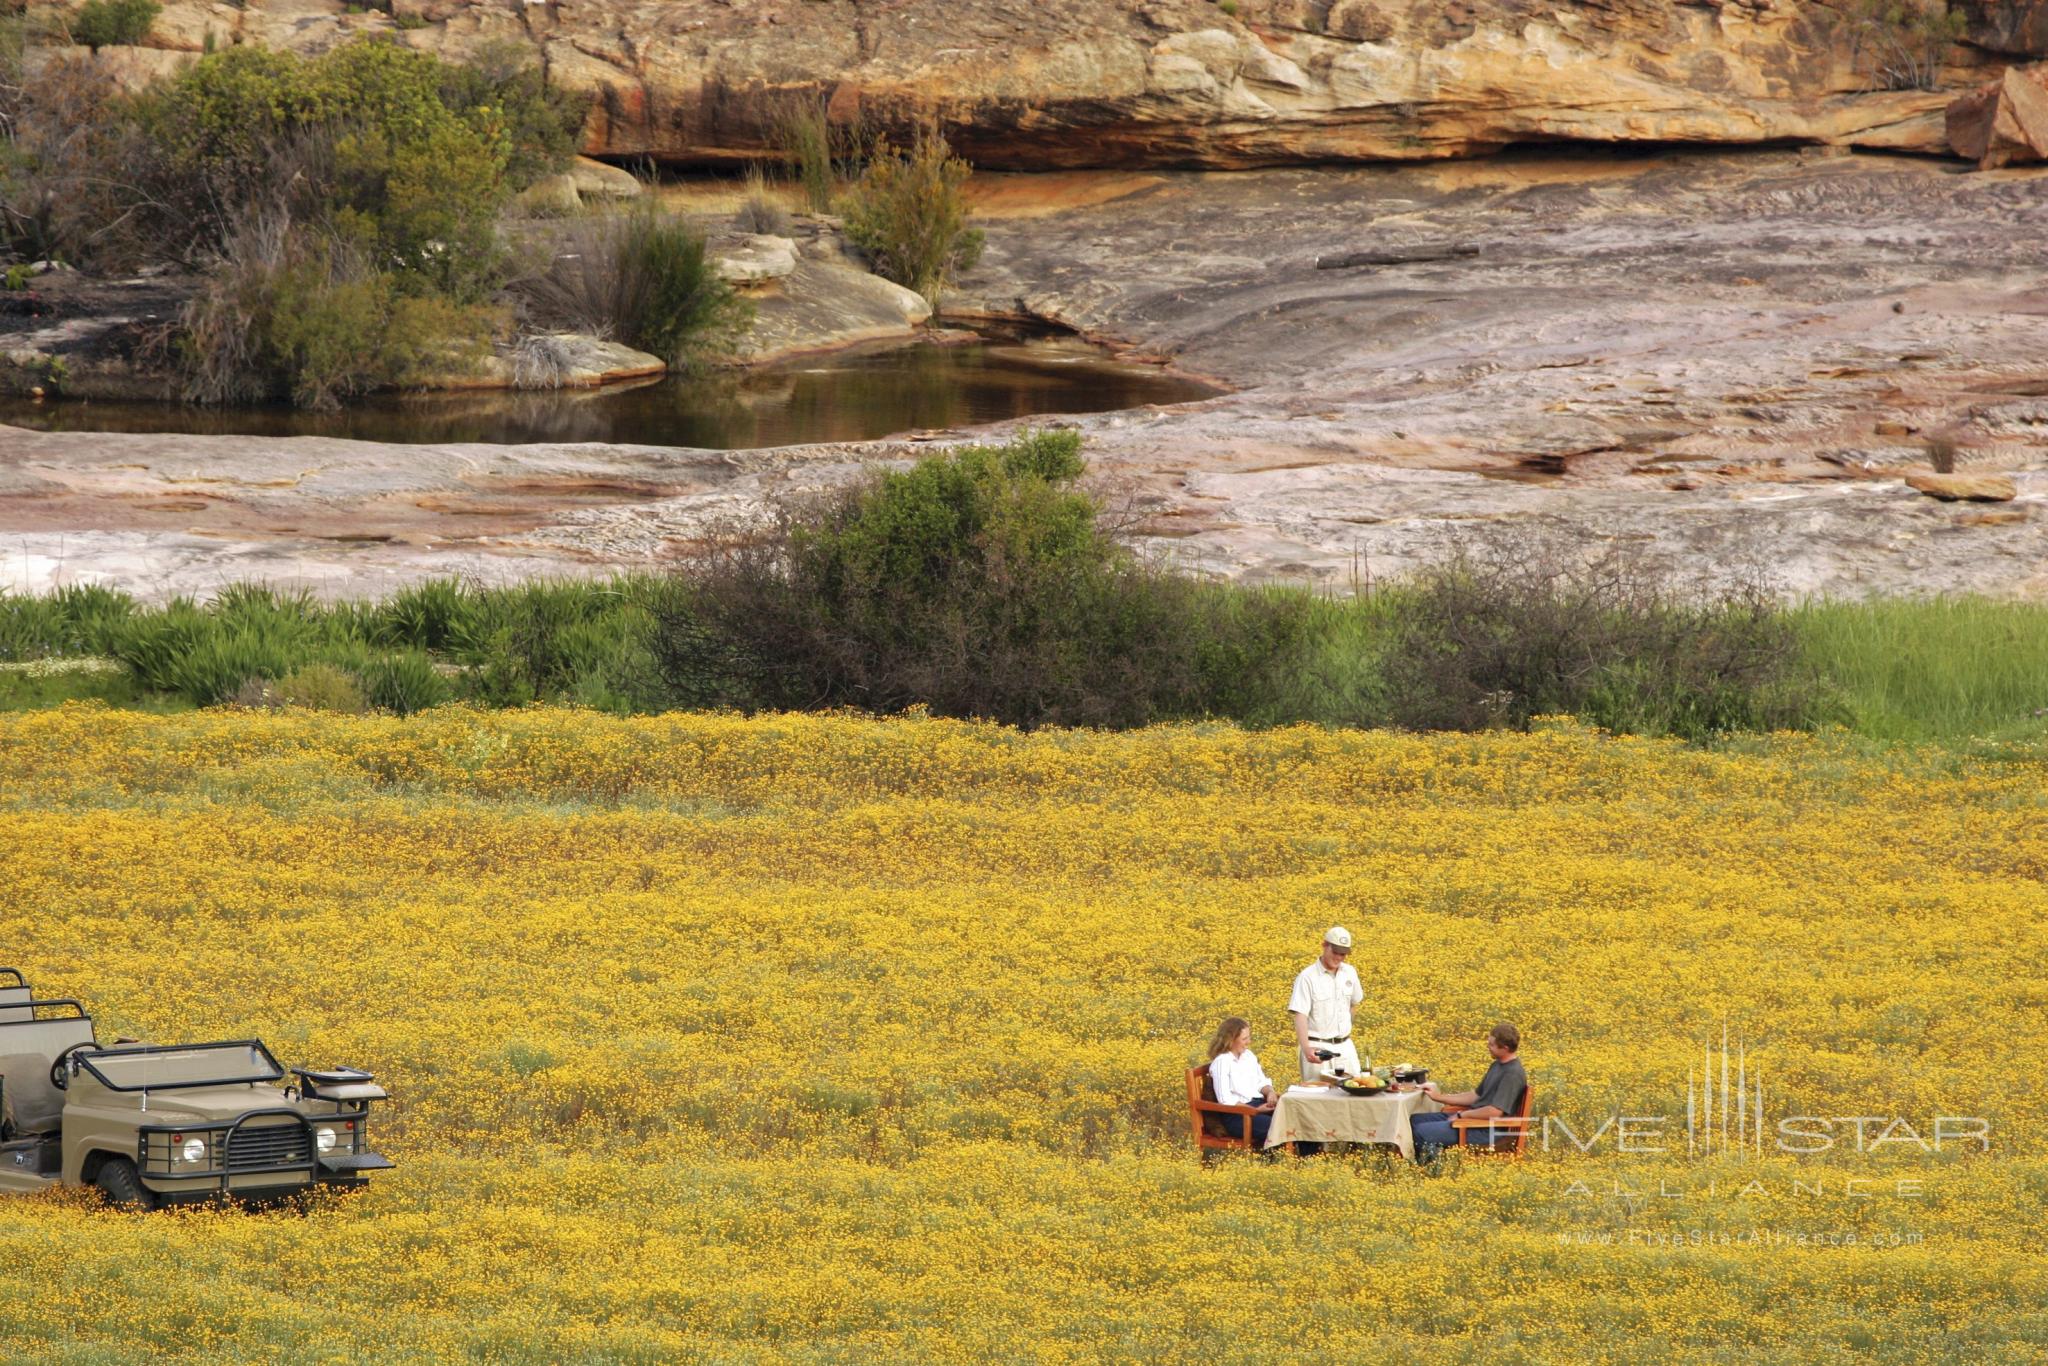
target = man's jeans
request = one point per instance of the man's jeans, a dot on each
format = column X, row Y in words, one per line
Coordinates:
column 1433, row 1133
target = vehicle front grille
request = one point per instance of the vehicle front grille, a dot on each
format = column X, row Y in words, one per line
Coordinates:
column 272, row 1145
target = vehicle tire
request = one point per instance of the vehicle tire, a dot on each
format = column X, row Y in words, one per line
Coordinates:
column 122, row 1187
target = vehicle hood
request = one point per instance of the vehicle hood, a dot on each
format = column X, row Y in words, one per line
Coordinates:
column 205, row 1104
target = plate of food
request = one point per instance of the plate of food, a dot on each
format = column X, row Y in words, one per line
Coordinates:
column 1412, row 1074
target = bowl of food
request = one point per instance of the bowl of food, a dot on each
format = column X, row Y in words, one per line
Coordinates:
column 1366, row 1085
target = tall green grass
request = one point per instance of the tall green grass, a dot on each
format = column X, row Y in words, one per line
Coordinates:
column 1932, row 669
column 583, row 641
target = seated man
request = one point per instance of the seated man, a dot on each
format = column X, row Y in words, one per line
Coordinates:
column 1500, row 1093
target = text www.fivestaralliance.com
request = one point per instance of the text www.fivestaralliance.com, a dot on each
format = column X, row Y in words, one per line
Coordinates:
column 1743, row 1237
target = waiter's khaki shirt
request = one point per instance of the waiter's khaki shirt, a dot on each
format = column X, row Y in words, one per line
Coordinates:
column 1326, row 998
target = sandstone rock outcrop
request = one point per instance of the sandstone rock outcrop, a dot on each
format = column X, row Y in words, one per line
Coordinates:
column 2005, row 122
column 1040, row 84
column 1965, row 488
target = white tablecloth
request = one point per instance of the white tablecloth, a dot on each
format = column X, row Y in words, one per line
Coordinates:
column 1327, row 1115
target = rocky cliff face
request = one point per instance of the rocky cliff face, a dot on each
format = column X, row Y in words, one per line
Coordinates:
column 1037, row 84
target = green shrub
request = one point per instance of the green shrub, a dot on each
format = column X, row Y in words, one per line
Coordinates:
column 75, row 620
column 644, row 278
column 909, row 213
column 499, row 88
column 404, row 683
column 403, row 156
column 30, row 628
column 113, row 23
column 426, row 616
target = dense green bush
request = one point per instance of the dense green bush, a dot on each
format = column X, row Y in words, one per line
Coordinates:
column 296, row 313
column 387, row 147
column 976, row 584
column 112, row 23
column 77, row 619
column 909, row 213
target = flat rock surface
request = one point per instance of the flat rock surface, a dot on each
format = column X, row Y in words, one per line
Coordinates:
column 1729, row 361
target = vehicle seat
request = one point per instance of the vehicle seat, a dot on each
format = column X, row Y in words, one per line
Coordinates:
column 38, row 1106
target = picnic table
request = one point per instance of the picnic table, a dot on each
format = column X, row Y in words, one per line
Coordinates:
column 1327, row 1114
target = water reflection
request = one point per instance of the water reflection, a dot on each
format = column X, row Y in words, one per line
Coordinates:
column 851, row 396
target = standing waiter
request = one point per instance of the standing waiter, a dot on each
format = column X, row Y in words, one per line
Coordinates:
column 1324, row 993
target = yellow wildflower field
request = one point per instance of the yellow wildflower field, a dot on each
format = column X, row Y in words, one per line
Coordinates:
column 835, row 1039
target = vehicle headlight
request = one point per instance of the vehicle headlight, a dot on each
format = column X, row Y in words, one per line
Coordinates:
column 192, row 1150
column 325, row 1138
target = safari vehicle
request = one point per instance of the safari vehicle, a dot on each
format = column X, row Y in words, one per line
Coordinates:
column 149, row 1123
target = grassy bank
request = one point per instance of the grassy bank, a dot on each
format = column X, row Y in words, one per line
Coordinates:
column 1947, row 670
column 1932, row 668
column 983, row 583
column 577, row 950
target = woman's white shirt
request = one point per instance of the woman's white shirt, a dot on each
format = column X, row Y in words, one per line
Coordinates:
column 1238, row 1078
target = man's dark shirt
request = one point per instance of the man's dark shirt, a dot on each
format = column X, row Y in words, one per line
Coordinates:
column 1502, row 1086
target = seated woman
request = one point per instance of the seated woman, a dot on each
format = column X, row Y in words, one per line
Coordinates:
column 1237, row 1079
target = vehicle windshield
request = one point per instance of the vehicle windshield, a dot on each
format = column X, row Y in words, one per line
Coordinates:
column 204, row 1064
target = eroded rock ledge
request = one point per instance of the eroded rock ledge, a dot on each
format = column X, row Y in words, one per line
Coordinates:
column 1048, row 84
column 1730, row 361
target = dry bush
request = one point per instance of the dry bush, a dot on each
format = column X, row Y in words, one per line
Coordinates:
column 1532, row 626
column 817, row 154
column 321, row 687
column 296, row 313
column 66, row 188
column 909, row 213
column 762, row 212
column 541, row 362
column 1901, row 44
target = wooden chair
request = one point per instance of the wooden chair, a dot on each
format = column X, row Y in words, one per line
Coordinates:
column 1203, row 1112
column 1508, row 1144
